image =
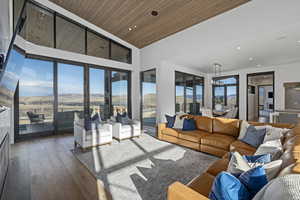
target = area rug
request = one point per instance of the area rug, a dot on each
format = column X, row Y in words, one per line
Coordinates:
column 143, row 168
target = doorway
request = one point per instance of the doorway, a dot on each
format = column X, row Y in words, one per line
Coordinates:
column 260, row 96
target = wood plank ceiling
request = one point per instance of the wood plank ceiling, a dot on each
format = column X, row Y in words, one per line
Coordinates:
column 117, row 16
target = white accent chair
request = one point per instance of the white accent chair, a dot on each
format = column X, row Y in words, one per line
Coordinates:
column 100, row 134
column 232, row 113
column 126, row 131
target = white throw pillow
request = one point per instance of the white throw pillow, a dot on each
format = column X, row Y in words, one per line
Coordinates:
column 243, row 129
column 237, row 164
column 272, row 169
column 274, row 133
column 77, row 120
column 178, row 122
column 273, row 147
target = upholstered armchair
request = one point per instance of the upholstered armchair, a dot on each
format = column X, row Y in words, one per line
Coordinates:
column 126, row 130
column 35, row 118
column 99, row 134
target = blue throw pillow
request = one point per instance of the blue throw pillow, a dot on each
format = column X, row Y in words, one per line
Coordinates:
column 119, row 118
column 88, row 124
column 96, row 117
column 254, row 136
column 265, row 158
column 189, row 125
column 254, row 180
column 170, row 121
column 228, row 187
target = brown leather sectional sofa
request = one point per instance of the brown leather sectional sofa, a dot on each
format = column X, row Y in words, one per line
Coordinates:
column 215, row 136
column 218, row 136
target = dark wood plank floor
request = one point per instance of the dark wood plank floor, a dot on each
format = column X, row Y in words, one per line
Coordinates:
column 45, row 169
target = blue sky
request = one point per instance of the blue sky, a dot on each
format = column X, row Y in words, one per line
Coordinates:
column 37, row 80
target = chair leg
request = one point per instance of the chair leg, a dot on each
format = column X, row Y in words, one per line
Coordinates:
column 75, row 144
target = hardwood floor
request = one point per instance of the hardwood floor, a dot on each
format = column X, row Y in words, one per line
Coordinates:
column 45, row 169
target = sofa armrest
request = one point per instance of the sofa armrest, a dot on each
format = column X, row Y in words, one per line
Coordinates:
column 179, row 191
column 160, row 127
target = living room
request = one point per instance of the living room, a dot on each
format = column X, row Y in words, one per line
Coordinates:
column 149, row 100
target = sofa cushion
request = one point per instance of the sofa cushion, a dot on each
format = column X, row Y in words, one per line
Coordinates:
column 218, row 166
column 171, row 131
column 218, row 140
column 202, row 184
column 193, row 136
column 226, row 126
column 204, row 123
column 242, row 148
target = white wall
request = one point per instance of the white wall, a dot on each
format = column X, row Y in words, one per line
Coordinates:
column 283, row 73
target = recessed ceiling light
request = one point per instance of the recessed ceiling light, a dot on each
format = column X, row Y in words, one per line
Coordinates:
column 154, row 13
column 238, row 48
column 298, row 41
column 130, row 29
column 251, row 59
column 135, row 26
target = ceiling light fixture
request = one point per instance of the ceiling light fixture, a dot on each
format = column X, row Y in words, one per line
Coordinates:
column 154, row 13
column 298, row 41
column 217, row 70
column 130, row 29
column 251, row 59
column 238, row 48
column 135, row 26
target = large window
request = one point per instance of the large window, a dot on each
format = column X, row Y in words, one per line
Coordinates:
column 70, row 94
column 18, row 4
column 148, row 89
column 45, row 27
column 36, row 97
column 69, row 36
column 97, row 92
column 119, row 92
column 189, row 93
column 225, row 92
column 120, row 53
column 97, row 46
column 39, row 26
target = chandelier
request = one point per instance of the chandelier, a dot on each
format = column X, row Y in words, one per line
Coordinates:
column 217, row 69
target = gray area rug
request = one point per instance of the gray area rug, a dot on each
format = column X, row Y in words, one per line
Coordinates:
column 143, row 168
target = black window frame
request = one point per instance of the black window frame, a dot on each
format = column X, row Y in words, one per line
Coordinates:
column 237, row 84
column 194, row 89
column 86, row 93
column 86, row 29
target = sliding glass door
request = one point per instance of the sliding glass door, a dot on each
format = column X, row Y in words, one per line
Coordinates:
column 148, row 90
column 36, row 98
column 119, row 92
column 50, row 92
column 70, row 83
column 97, row 92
